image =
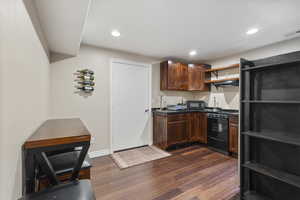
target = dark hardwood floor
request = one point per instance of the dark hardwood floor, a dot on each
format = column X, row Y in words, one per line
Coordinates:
column 192, row 173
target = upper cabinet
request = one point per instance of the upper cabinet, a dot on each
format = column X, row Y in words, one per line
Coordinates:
column 196, row 78
column 179, row 76
column 173, row 76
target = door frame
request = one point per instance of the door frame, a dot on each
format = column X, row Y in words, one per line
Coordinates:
column 146, row 65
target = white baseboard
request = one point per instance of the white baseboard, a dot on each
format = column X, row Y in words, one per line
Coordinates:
column 94, row 154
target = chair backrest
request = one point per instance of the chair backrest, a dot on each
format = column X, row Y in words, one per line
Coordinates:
column 47, row 167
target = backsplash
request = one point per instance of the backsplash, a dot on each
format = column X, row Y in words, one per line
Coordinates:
column 226, row 98
column 170, row 98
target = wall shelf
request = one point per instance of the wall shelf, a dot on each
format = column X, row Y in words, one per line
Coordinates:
column 223, row 68
column 215, row 71
column 221, row 80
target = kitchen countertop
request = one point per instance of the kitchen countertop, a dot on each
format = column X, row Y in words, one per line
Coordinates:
column 170, row 112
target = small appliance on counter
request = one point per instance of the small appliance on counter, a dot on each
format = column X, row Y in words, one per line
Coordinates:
column 176, row 107
column 196, row 105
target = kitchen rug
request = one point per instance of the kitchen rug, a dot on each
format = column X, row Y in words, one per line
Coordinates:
column 137, row 156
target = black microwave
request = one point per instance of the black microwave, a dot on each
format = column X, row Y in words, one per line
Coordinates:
column 195, row 105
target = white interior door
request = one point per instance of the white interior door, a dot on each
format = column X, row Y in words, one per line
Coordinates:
column 130, row 105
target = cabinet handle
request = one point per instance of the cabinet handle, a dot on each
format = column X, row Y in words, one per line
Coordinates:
column 147, row 110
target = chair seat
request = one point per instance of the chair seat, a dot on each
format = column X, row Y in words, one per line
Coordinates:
column 76, row 190
column 64, row 162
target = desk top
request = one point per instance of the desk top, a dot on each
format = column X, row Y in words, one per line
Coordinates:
column 58, row 131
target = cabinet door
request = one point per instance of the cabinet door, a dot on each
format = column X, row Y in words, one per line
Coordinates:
column 196, row 78
column 183, row 78
column 203, row 127
column 178, row 130
column 174, row 74
column 198, row 127
column 233, row 136
column 160, row 131
column 177, row 76
column 195, row 127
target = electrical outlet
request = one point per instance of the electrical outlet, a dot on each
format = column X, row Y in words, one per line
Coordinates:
column 93, row 140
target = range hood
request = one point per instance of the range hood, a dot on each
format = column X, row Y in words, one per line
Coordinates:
column 227, row 83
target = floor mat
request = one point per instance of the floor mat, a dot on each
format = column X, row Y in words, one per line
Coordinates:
column 137, row 156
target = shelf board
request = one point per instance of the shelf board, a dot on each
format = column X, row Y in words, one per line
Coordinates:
column 251, row 195
column 274, row 173
column 276, row 136
column 271, row 101
column 221, row 80
column 223, row 68
column 271, row 65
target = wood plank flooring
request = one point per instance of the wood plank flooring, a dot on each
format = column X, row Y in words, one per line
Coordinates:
column 192, row 173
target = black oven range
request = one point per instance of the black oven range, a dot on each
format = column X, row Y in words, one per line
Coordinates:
column 217, row 128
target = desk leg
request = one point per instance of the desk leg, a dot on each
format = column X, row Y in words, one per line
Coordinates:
column 80, row 160
column 47, row 167
column 29, row 176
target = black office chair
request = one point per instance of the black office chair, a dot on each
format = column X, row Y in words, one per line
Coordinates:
column 75, row 190
column 72, row 190
column 63, row 165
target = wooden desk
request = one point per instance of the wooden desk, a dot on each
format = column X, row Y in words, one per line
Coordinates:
column 52, row 135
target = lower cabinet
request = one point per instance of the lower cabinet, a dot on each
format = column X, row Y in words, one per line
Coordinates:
column 174, row 129
column 198, row 131
column 233, row 135
column 178, row 127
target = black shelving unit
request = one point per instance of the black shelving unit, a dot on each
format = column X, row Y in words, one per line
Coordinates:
column 251, row 195
column 270, row 128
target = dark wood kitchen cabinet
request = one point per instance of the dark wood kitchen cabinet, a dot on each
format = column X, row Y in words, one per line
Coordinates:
column 198, row 131
column 169, row 130
column 178, row 128
column 233, row 134
column 197, row 77
column 173, row 76
column 175, row 129
column 179, row 76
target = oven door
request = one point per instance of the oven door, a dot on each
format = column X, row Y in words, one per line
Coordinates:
column 217, row 133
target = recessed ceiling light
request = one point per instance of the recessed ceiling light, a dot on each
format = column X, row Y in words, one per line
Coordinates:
column 192, row 53
column 115, row 33
column 252, row 31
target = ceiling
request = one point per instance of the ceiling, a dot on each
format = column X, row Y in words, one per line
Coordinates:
column 172, row 28
column 63, row 22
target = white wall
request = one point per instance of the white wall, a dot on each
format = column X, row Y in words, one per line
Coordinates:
column 33, row 13
column 229, row 97
column 94, row 110
column 24, row 91
column 1, row 98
